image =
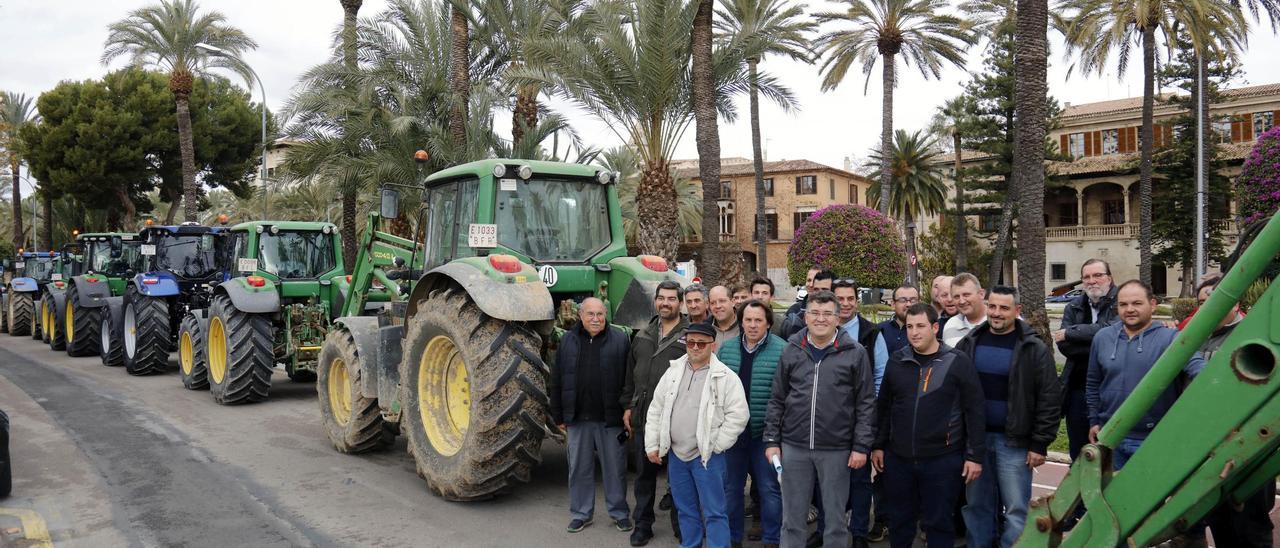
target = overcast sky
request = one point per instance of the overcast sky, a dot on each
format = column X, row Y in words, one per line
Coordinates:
column 45, row 42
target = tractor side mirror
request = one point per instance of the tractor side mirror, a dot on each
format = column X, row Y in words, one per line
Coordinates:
column 116, row 250
column 390, row 203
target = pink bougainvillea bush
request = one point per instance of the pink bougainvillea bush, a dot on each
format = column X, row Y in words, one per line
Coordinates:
column 852, row 241
column 1258, row 186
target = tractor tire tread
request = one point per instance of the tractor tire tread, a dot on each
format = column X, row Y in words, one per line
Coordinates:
column 250, row 355
column 365, row 429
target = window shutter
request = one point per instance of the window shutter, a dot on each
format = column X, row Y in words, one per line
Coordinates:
column 1064, row 149
column 1246, row 128
column 1088, row 143
column 1237, row 129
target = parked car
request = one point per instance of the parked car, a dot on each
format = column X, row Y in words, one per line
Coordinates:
column 1065, row 297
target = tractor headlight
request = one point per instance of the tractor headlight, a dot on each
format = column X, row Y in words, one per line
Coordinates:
column 258, row 229
column 499, row 171
column 602, row 177
column 275, row 229
column 327, row 229
column 525, row 172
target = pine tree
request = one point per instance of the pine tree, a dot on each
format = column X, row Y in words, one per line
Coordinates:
column 1173, row 228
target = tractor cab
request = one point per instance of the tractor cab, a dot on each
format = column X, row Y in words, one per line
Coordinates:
column 33, row 270
column 186, row 254
column 110, row 256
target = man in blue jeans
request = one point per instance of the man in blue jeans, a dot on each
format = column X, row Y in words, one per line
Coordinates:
column 930, row 401
column 1121, row 355
column 1023, row 395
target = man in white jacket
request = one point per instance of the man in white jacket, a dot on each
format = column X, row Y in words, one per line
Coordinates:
column 699, row 408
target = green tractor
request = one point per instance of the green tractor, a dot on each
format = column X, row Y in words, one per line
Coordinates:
column 457, row 360
column 287, row 287
column 104, row 261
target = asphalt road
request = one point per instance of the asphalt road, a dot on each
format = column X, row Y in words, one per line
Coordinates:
column 103, row 459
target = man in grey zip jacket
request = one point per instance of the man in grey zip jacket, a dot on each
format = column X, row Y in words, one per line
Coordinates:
column 820, row 420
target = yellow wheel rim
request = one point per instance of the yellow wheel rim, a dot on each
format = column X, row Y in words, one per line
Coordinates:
column 339, row 391
column 46, row 319
column 216, row 346
column 71, row 324
column 186, row 355
column 444, row 395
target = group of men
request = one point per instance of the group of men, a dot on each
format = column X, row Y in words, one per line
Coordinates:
column 952, row 404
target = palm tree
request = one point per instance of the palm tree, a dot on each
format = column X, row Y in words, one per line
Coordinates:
column 629, row 69
column 1030, row 96
column 16, row 111
column 881, row 29
column 167, row 36
column 459, row 69
column 917, row 188
column 762, row 28
column 688, row 195
column 1102, row 28
column 706, row 135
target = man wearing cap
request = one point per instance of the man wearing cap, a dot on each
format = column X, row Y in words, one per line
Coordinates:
column 699, row 408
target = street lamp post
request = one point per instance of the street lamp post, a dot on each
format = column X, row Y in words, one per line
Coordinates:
column 266, row 190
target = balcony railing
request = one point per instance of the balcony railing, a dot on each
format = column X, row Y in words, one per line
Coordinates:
column 1092, row 232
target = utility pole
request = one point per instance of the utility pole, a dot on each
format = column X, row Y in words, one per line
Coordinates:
column 1200, row 182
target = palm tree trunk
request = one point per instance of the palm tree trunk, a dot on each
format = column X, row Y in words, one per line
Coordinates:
column 175, row 202
column 190, row 192
column 708, row 139
column 757, row 157
column 886, row 132
column 911, row 247
column 524, row 117
column 459, row 78
column 656, row 211
column 1031, row 50
column 17, row 204
column 350, row 10
column 962, row 226
column 130, row 210
column 1148, row 144
column 1002, row 236
column 47, row 242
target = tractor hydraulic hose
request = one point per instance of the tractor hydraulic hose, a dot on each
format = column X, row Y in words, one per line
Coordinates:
column 389, row 283
column 1251, row 264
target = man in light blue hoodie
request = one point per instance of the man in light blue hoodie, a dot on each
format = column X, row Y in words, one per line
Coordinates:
column 1121, row 355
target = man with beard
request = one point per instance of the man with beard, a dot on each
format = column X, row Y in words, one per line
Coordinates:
column 1082, row 318
column 652, row 351
column 894, row 329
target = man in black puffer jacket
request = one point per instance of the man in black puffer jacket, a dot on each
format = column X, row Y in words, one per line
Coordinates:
column 586, row 391
column 930, row 399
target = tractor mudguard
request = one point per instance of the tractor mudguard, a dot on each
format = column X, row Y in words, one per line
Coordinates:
column 115, row 307
column 519, row 302
column 251, row 299
column 59, row 303
column 364, row 332
column 632, row 289
column 91, row 294
column 156, row 284
column 24, row 285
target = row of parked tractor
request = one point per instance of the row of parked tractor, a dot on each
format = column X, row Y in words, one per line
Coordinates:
column 440, row 332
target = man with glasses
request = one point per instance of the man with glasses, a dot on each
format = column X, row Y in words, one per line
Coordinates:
column 1082, row 318
column 819, row 420
column 894, row 330
column 818, row 280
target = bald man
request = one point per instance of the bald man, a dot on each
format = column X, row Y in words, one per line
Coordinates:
column 940, row 296
column 724, row 316
column 586, row 391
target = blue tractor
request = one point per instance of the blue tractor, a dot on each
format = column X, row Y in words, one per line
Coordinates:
column 31, row 271
column 178, row 268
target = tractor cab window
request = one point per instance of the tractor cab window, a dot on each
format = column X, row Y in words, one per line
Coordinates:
column 187, row 255
column 554, row 220
column 296, row 254
column 38, row 267
column 101, row 261
column 452, row 210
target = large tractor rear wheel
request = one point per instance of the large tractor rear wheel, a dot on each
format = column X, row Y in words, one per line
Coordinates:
column 4, row 317
column 239, row 349
column 21, row 310
column 192, row 360
column 82, row 325
column 476, row 401
column 49, row 327
column 146, row 333
column 353, row 422
column 112, row 340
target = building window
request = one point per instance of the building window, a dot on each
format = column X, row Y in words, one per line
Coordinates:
column 800, row 216
column 1223, row 129
column 1110, row 141
column 989, row 222
column 1262, row 122
column 853, row 194
column 1113, row 212
column 727, row 219
column 1058, row 271
column 770, row 226
column 1075, row 142
column 271, row 173
column 833, row 182
column 1067, row 215
column 726, row 190
column 807, row 184
column 768, row 187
